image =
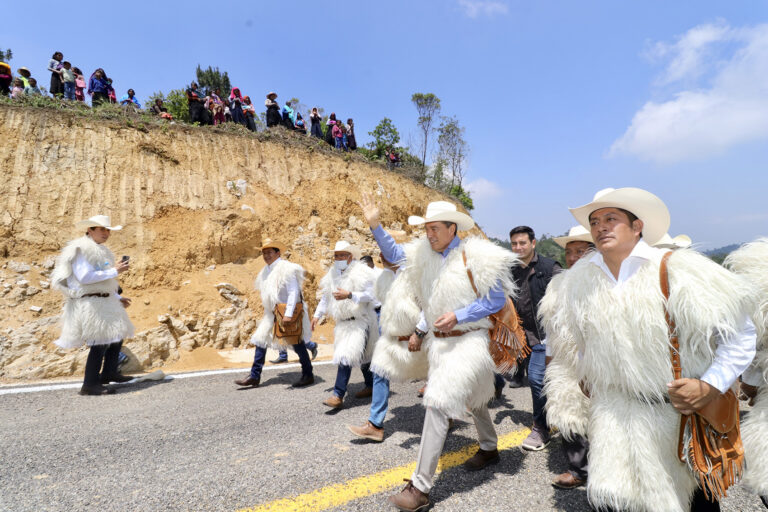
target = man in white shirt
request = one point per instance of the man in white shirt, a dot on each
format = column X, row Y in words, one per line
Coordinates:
column 612, row 306
column 279, row 283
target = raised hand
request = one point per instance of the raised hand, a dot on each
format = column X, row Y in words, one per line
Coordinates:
column 370, row 209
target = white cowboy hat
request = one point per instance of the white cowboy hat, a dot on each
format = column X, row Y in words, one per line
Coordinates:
column 443, row 211
column 344, row 246
column 575, row 234
column 644, row 205
column 679, row 242
column 97, row 221
column 268, row 243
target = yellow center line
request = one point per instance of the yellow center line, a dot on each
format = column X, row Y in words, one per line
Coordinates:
column 338, row 494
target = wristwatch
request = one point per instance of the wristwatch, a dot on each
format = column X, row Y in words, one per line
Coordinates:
column 419, row 333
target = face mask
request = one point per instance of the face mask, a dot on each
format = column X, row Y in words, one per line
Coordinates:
column 341, row 265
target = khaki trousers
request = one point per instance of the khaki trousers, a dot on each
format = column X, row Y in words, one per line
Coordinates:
column 433, row 438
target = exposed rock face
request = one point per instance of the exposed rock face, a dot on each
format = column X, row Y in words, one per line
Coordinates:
column 186, row 230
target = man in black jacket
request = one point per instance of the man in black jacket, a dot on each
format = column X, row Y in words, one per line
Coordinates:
column 532, row 278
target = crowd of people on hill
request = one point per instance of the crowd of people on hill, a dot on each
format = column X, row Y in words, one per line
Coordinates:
column 206, row 107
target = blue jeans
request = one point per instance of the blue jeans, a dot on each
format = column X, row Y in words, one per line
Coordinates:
column 379, row 401
column 284, row 353
column 261, row 355
column 69, row 91
column 345, row 372
column 536, row 367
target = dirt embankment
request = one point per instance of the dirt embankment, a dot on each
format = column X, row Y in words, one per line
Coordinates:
column 195, row 206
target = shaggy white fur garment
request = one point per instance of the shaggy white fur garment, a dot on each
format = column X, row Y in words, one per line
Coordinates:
column 89, row 320
column 460, row 368
column 353, row 339
column 751, row 261
column 567, row 407
column 269, row 287
column 622, row 335
column 399, row 316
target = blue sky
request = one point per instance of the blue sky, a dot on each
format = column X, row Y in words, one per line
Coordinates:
column 559, row 98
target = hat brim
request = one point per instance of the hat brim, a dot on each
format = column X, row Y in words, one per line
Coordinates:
column 355, row 251
column 644, row 205
column 463, row 221
column 562, row 241
column 85, row 224
column 275, row 245
column 272, row 96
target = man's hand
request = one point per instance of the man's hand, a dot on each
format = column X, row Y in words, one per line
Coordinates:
column 313, row 323
column 340, row 294
column 370, row 209
column 690, row 395
column 446, row 322
column 414, row 343
column 287, row 319
column 748, row 393
column 122, row 266
column 125, row 301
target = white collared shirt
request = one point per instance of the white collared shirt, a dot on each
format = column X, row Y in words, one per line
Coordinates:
column 366, row 295
column 732, row 356
column 288, row 294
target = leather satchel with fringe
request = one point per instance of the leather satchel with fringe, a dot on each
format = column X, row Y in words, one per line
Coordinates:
column 710, row 439
column 508, row 345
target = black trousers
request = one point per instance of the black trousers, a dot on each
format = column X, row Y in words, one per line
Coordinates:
column 102, row 362
column 699, row 504
column 577, row 451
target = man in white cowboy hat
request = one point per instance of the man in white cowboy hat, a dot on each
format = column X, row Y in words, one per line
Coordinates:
column 279, row 283
column 93, row 314
column 454, row 327
column 612, row 307
column 577, row 243
column 346, row 294
column 751, row 261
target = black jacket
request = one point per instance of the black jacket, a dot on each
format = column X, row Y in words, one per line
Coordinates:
column 532, row 282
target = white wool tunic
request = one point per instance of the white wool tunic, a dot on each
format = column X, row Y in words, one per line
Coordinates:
column 399, row 315
column 751, row 261
column 356, row 327
column 460, row 368
column 620, row 334
column 279, row 283
column 89, row 320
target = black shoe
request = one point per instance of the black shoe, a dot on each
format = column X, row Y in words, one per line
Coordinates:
column 118, row 377
column 279, row 360
column 314, row 352
column 96, row 390
column 304, row 381
column 516, row 383
column 249, row 382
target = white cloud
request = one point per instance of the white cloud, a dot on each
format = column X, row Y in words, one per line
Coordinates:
column 477, row 8
column 482, row 189
column 704, row 119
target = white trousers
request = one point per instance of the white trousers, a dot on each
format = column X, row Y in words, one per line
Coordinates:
column 433, row 438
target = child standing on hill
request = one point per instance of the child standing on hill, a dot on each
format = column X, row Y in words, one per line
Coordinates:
column 18, row 89
column 68, row 80
column 54, row 66
column 32, row 89
column 79, row 84
column 338, row 135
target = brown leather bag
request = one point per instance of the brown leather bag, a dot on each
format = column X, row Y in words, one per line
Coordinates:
column 288, row 332
column 508, row 345
column 710, row 439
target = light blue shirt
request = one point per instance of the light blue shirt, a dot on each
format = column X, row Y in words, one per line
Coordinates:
column 479, row 308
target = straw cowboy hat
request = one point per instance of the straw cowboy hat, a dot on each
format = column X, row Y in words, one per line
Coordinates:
column 344, row 246
column 644, row 205
column 97, row 221
column 268, row 243
column 272, row 96
column 575, row 234
column 679, row 242
column 443, row 211
column 22, row 68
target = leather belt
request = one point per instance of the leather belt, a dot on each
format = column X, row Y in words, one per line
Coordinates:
column 102, row 295
column 452, row 334
column 347, row 319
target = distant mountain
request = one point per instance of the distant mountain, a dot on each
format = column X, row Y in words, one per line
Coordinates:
column 726, row 250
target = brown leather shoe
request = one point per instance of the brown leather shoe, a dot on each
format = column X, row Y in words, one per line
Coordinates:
column 410, row 499
column 481, row 459
column 250, row 382
column 364, row 393
column 368, row 431
column 567, row 481
column 334, row 402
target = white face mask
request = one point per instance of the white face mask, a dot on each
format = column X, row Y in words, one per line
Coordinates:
column 341, row 265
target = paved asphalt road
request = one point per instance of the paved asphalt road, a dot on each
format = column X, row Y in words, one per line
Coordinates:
column 201, row 444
